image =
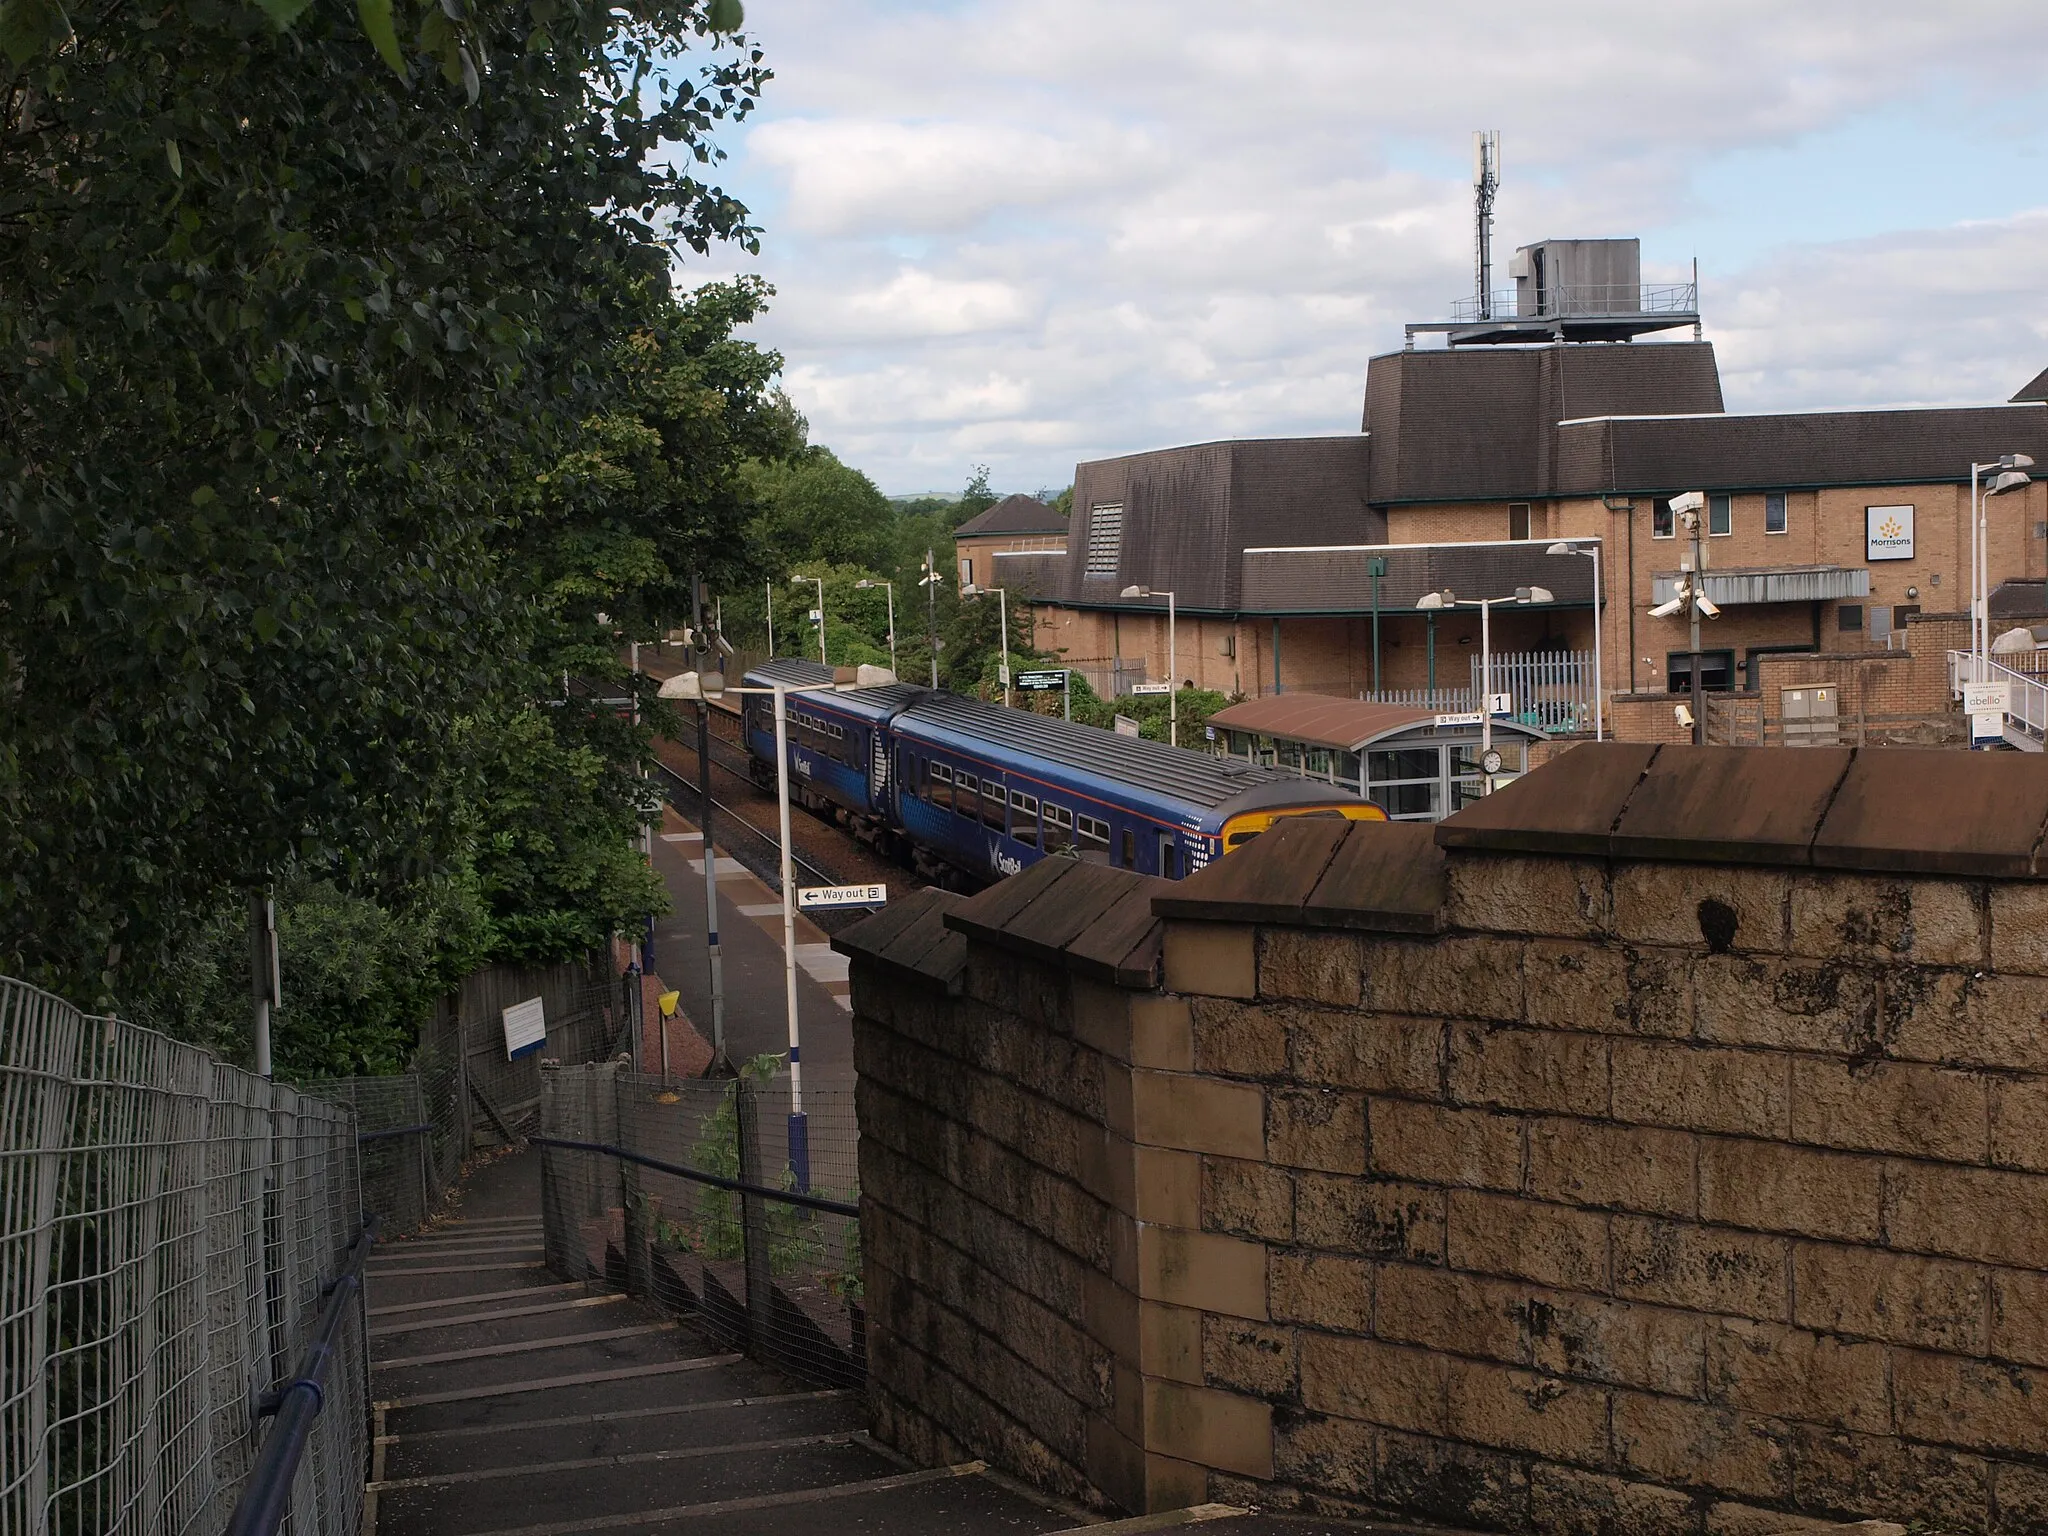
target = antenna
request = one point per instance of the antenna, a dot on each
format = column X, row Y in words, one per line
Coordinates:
column 1485, row 182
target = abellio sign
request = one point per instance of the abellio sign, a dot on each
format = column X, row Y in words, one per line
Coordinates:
column 1887, row 533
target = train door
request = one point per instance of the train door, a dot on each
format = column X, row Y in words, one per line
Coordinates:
column 1169, row 862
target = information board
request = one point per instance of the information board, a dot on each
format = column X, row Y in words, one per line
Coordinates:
column 816, row 896
column 1042, row 682
column 526, row 1028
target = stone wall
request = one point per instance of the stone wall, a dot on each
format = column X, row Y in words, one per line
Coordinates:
column 1498, row 1183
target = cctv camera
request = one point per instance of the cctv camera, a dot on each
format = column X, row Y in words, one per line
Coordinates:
column 1665, row 610
column 1708, row 608
column 1691, row 501
column 1684, row 716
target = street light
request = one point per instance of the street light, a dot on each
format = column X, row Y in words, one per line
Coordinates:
column 1564, row 548
column 1172, row 663
column 2008, row 473
column 1003, row 611
column 819, row 583
column 703, row 687
column 867, row 584
column 1431, row 602
column 931, row 580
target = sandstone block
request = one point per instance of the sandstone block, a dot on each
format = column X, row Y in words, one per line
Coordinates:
column 1162, row 1033
column 1796, row 1005
column 1660, row 904
column 1971, row 1403
column 1167, row 1187
column 1576, row 985
column 2020, row 1493
column 1731, row 1519
column 1253, row 1358
column 1370, row 1218
column 1247, row 1199
column 1495, row 893
column 1310, row 964
column 1380, row 1383
column 1708, row 1269
column 1169, row 1342
column 2019, row 1123
column 1443, row 1481
column 1316, row 1128
column 1772, row 1187
column 1320, row 1291
column 1792, row 1373
column 1340, row 1455
column 1510, row 1068
column 1379, row 1052
column 1443, row 1309
column 1696, row 1445
column 1550, row 1244
column 1891, row 1106
column 1208, row 1427
column 1210, row 959
column 1198, row 1114
column 1102, row 1018
column 1931, row 922
column 1479, row 1148
column 1623, row 1167
column 1564, row 1501
column 1203, row 1270
column 1453, row 977
column 1626, row 1344
column 1517, row 1410
column 1968, row 1019
column 1702, row 1088
column 2019, row 1317
column 1933, row 1487
column 2018, row 920
column 1234, row 1039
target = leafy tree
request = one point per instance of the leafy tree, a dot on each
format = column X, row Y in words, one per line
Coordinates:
column 284, row 348
column 814, row 508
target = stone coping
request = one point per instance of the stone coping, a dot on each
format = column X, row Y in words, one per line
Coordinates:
column 1322, row 873
column 910, row 937
column 1090, row 919
column 1903, row 810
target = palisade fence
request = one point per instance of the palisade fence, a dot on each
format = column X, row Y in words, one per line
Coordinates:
column 704, row 1214
column 169, row 1225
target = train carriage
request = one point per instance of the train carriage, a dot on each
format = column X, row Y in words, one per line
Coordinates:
column 978, row 792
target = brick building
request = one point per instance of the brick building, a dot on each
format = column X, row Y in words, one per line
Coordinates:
column 1296, row 563
column 1014, row 525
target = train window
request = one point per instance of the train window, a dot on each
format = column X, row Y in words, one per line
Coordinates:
column 906, row 771
column 992, row 804
column 1094, row 839
column 1024, row 817
column 1059, row 828
column 966, row 795
column 1130, row 849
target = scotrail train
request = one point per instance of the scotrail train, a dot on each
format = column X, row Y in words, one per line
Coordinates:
column 972, row 792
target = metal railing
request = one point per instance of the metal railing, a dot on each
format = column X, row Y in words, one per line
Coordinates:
column 168, row 1228
column 1564, row 300
column 684, row 1194
column 2026, row 712
column 1550, row 689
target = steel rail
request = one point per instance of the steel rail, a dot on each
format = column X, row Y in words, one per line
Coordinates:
column 732, row 815
column 266, row 1498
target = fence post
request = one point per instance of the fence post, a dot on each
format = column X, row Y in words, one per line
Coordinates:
column 753, row 1214
column 637, row 1232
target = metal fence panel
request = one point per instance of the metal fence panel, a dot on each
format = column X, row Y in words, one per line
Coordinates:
column 167, row 1226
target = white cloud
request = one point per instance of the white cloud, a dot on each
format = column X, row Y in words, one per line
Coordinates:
column 1029, row 231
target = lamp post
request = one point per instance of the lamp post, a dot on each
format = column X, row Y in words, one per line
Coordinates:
column 1003, row 618
column 1435, row 602
column 819, row 583
column 2008, row 473
column 930, row 582
column 1172, row 662
column 771, row 621
column 703, row 687
column 1599, row 690
column 714, row 954
column 867, row 584
column 1691, row 595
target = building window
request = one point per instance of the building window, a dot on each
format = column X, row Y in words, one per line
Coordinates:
column 1849, row 617
column 1720, row 516
column 1518, row 519
column 1105, row 539
column 1880, row 623
column 1717, row 671
column 1661, row 522
column 967, row 572
column 1774, row 512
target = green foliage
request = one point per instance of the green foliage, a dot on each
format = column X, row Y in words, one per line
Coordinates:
column 816, row 509
column 332, row 412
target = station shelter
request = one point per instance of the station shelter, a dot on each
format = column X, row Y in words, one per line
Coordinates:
column 1415, row 764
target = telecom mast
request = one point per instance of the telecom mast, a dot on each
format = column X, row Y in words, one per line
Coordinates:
column 1485, row 182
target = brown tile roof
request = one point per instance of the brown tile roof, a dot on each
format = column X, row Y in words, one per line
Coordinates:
column 1013, row 514
column 1346, row 724
column 1089, row 918
column 2035, row 388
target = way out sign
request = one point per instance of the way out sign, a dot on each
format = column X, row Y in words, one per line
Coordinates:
column 526, row 1028
column 817, row 897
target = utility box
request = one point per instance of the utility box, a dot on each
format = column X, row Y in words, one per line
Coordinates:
column 1578, row 277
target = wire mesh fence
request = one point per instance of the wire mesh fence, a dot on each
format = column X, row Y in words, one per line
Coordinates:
column 746, row 1227
column 168, row 1224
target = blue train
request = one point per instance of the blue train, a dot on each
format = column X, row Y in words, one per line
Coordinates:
column 971, row 792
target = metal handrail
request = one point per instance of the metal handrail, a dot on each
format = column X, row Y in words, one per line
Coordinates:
column 295, row 1406
column 717, row 1181
column 2026, row 702
column 1568, row 300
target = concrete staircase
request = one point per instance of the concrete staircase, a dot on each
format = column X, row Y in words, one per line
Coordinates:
column 511, row 1404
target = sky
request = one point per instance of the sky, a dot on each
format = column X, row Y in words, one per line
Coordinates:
column 1025, row 233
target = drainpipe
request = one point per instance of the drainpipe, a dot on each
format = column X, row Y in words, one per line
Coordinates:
column 1276, row 658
